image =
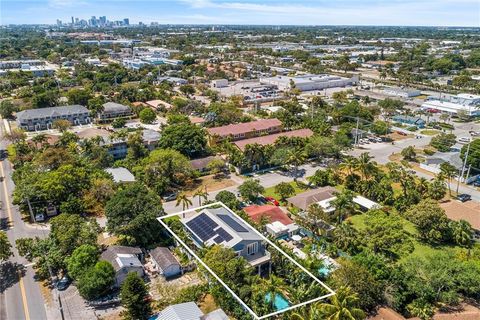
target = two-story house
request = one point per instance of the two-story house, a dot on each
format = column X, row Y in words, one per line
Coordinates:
column 219, row 226
column 245, row 130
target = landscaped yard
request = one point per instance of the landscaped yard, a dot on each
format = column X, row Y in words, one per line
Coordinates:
column 270, row 192
column 430, row 132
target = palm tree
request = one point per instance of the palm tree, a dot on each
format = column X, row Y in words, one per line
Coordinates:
column 461, row 232
column 449, row 172
column 350, row 164
column 201, row 194
column 365, row 166
column 184, row 201
column 295, row 157
column 343, row 204
column 342, row 306
column 40, row 139
column 272, row 287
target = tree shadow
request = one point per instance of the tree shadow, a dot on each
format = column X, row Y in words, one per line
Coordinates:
column 10, row 273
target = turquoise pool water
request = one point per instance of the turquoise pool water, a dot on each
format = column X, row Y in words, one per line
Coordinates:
column 324, row 271
column 280, row 302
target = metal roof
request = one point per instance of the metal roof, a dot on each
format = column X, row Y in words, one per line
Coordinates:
column 181, row 311
column 121, row 174
column 52, row 111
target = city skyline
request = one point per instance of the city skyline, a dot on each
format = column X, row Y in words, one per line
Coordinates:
column 252, row 12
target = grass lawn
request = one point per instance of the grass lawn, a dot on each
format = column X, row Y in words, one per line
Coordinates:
column 420, row 249
column 270, row 192
column 430, row 132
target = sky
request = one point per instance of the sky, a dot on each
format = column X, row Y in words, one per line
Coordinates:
column 259, row 12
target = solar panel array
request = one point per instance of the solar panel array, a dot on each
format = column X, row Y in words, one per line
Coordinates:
column 203, row 226
column 232, row 223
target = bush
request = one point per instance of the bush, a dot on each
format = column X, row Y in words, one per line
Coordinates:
column 119, row 123
column 428, row 152
column 443, row 142
column 96, row 281
column 412, row 128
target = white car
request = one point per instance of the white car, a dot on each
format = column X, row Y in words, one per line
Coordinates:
column 464, row 140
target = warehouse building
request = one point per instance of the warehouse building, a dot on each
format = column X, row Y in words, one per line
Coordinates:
column 309, row 82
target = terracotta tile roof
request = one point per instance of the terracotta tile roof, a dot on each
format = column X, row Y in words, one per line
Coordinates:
column 271, row 138
column 305, row 199
column 468, row 211
column 273, row 213
column 239, row 128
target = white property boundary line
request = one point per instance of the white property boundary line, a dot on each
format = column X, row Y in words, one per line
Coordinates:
column 255, row 316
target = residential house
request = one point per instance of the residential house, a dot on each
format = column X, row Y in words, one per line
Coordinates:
column 112, row 110
column 432, row 163
column 222, row 227
column 121, row 175
column 201, row 164
column 279, row 223
column 159, row 104
column 124, row 260
column 150, row 138
column 43, row 118
column 165, row 262
column 468, row 211
column 245, row 130
column 305, row 199
column 188, row 311
column 271, row 138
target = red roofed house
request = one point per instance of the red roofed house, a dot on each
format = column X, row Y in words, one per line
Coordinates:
column 245, row 130
column 279, row 225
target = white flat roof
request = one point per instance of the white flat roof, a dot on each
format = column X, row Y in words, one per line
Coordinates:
column 366, row 203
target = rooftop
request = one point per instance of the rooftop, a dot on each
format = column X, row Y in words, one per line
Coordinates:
column 271, row 138
column 305, row 199
column 113, row 106
column 121, row 174
column 468, row 211
column 164, row 257
column 239, row 128
column 272, row 213
column 30, row 114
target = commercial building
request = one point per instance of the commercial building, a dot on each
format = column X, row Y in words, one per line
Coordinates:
column 402, row 93
column 221, row 227
column 468, row 103
column 413, row 121
column 245, row 130
column 309, row 82
column 42, row 119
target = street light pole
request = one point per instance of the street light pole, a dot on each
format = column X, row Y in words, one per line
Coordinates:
column 464, row 164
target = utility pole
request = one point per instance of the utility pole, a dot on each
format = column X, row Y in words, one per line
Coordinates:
column 356, row 132
column 30, row 210
column 464, row 164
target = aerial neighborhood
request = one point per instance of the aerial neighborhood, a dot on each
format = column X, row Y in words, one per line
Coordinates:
column 216, row 172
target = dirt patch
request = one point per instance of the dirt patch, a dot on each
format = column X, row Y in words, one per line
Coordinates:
column 210, row 183
column 395, row 136
column 208, row 304
column 46, row 293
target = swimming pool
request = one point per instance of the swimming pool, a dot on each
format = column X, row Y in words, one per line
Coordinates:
column 280, row 302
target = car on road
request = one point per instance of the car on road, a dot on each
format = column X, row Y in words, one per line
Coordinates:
column 170, row 196
column 476, row 183
column 401, row 133
column 464, row 197
column 63, row 283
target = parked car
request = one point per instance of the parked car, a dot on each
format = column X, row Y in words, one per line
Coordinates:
column 272, row 201
column 63, row 283
column 39, row 217
column 170, row 196
column 476, row 183
column 464, row 197
column 401, row 133
column 464, row 139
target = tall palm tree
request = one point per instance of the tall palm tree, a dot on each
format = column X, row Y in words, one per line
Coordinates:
column 184, row 201
column 201, row 194
column 342, row 306
column 343, row 204
column 296, row 157
column 40, row 140
column 350, row 164
column 449, row 172
column 365, row 166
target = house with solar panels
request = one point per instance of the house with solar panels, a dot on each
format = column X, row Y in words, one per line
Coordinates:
column 219, row 226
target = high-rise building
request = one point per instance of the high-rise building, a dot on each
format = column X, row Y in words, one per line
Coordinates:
column 103, row 20
column 126, row 21
column 59, row 22
column 72, row 20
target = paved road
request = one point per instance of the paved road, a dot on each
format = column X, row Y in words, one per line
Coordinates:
column 268, row 179
column 22, row 298
column 381, row 152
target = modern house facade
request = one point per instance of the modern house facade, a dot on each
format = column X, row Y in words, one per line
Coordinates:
column 220, row 227
column 43, row 119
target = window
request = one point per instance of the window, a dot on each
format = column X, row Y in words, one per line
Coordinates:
column 252, row 248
